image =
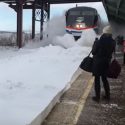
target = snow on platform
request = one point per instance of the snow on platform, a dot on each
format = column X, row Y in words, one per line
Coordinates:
column 32, row 80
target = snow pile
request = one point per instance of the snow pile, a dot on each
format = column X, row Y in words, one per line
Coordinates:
column 30, row 79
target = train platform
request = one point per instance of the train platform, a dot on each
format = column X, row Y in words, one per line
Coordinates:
column 76, row 106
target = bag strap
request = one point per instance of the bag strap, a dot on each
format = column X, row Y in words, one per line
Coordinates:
column 90, row 53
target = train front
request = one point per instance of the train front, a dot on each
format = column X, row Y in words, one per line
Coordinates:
column 79, row 19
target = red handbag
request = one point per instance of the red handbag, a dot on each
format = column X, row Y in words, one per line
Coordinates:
column 114, row 69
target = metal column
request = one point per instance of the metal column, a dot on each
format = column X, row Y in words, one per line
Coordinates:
column 41, row 20
column 48, row 10
column 33, row 21
column 19, row 23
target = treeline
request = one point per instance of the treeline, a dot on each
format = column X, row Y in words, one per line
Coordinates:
column 10, row 38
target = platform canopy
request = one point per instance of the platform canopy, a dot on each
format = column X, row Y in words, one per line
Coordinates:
column 114, row 8
column 28, row 4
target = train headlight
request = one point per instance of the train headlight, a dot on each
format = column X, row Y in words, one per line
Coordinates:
column 77, row 26
column 81, row 26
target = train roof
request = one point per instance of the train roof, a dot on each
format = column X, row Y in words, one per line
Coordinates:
column 83, row 8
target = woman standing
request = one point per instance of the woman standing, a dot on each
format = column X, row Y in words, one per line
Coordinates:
column 102, row 53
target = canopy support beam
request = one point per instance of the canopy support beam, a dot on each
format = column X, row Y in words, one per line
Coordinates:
column 19, row 23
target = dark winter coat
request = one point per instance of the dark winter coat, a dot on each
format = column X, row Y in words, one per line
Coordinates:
column 102, row 53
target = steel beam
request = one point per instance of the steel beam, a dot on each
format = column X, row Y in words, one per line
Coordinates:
column 33, row 21
column 48, row 11
column 41, row 20
column 19, row 23
column 69, row 1
column 118, row 7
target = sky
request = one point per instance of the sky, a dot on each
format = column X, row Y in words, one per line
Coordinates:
column 8, row 15
column 32, row 76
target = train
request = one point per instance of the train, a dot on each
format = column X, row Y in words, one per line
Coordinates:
column 81, row 18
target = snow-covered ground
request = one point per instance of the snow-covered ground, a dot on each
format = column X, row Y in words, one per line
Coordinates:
column 30, row 79
column 32, row 76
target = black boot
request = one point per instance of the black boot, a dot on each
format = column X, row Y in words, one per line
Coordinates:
column 107, row 98
column 96, row 99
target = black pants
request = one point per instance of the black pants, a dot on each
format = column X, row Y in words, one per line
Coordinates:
column 124, row 58
column 105, row 85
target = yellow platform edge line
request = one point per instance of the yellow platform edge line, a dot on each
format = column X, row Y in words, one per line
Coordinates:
column 82, row 101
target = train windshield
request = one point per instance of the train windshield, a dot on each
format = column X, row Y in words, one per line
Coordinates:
column 88, row 17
